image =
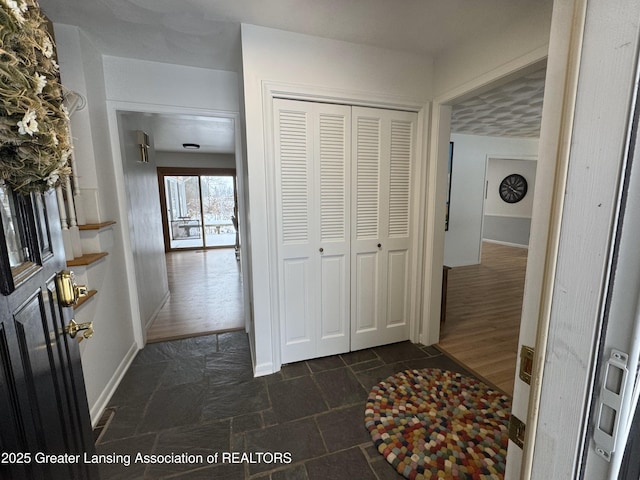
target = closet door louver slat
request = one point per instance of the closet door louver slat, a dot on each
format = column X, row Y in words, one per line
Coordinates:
column 294, row 185
column 333, row 176
column 400, row 178
column 367, row 165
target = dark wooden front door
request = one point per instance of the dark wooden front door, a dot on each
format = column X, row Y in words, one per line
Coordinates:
column 43, row 404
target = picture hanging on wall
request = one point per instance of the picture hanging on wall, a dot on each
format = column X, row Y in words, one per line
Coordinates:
column 449, row 171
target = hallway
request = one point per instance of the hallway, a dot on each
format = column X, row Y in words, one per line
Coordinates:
column 205, row 295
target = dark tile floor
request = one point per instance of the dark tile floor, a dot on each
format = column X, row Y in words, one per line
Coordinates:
column 198, row 396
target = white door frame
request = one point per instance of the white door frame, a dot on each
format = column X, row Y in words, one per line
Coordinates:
column 562, row 66
column 113, row 107
column 620, row 320
column 599, row 140
column 433, row 204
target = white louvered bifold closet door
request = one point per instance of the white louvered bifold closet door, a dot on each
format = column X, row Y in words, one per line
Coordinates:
column 380, row 227
column 312, row 149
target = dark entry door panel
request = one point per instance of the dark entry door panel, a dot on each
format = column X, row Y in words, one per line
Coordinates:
column 43, row 404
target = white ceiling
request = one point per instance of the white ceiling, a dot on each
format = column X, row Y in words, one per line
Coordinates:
column 206, row 33
column 213, row 134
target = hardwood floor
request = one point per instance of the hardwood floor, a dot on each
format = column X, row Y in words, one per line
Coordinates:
column 206, row 295
column 484, row 304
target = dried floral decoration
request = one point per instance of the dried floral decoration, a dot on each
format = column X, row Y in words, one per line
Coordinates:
column 34, row 123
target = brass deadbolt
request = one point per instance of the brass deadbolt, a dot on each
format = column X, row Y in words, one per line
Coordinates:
column 68, row 291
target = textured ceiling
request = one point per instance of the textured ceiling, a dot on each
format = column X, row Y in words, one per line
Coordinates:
column 511, row 110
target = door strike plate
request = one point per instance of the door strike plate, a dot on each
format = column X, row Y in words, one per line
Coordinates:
column 526, row 364
column 516, row 431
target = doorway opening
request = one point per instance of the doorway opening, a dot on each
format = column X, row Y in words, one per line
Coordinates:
column 197, row 283
column 200, row 208
column 495, row 135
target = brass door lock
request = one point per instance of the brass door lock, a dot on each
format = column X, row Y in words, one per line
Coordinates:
column 73, row 328
column 68, row 291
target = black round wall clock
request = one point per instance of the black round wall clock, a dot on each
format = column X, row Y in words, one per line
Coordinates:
column 513, row 188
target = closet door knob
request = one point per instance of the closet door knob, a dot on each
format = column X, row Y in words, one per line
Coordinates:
column 379, row 245
column 321, row 249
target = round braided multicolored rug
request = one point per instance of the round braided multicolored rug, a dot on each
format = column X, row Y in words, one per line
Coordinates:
column 436, row 424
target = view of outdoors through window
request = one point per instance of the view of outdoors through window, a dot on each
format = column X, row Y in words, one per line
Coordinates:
column 200, row 210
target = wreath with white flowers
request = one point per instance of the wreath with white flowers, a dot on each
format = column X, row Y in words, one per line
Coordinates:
column 34, row 123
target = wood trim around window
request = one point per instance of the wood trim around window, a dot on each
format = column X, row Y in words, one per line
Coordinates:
column 188, row 171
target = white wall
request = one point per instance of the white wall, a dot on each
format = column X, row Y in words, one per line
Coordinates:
column 323, row 67
column 139, row 81
column 470, row 153
column 244, row 213
column 104, row 357
column 462, row 64
column 508, row 222
column 145, row 217
column 195, row 160
column 72, row 71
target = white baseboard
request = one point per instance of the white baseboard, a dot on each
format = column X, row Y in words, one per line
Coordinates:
column 156, row 312
column 263, row 369
column 101, row 403
column 507, row 244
